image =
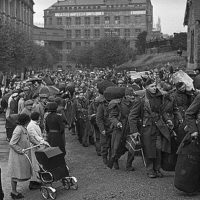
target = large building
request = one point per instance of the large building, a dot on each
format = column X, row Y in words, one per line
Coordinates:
column 17, row 12
column 192, row 20
column 83, row 22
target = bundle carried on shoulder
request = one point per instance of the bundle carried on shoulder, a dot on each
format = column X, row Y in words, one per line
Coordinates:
column 103, row 85
column 114, row 93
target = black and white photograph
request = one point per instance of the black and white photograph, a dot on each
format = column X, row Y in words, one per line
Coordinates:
column 100, row 99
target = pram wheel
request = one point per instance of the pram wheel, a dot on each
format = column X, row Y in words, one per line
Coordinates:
column 73, row 183
column 66, row 183
column 52, row 193
column 45, row 193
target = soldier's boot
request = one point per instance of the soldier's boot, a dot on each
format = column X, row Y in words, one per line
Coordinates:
column 105, row 160
column 129, row 161
column 111, row 163
column 116, row 164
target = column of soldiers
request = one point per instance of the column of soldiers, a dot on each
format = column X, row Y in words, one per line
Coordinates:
column 148, row 110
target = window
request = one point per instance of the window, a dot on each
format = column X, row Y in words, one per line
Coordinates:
column 68, row 21
column 87, row 43
column 127, row 32
column 68, row 33
column 87, row 20
column 96, row 20
column 96, row 33
column 107, row 20
column 50, row 20
column 87, row 33
column 107, row 32
column 59, row 21
column 137, row 30
column 126, row 19
column 77, row 20
column 78, row 44
column 192, row 47
column 75, row 8
column 117, row 32
column 68, row 45
column 77, row 33
column 45, row 21
column 117, row 19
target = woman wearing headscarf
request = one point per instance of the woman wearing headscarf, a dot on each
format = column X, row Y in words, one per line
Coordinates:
column 18, row 165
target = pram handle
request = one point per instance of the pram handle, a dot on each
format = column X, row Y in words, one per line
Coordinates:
column 24, row 150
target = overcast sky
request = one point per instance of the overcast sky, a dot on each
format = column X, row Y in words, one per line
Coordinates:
column 171, row 13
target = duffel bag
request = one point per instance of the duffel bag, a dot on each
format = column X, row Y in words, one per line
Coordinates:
column 103, row 85
column 187, row 173
column 114, row 93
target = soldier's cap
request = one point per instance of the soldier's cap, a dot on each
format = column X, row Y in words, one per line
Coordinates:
column 28, row 102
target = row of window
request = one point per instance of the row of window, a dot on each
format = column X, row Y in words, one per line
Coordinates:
column 97, row 20
column 95, row 7
column 96, row 33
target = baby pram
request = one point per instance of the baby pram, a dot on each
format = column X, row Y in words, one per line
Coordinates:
column 53, row 169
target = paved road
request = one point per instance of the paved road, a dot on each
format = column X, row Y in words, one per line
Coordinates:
column 99, row 183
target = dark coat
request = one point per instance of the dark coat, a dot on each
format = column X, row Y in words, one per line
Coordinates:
column 191, row 115
column 102, row 117
column 55, row 130
column 153, row 123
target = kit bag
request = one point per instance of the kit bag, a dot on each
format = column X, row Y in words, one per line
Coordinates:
column 114, row 93
column 187, row 171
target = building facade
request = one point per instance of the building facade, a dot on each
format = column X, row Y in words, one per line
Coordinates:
column 192, row 20
column 84, row 22
column 17, row 12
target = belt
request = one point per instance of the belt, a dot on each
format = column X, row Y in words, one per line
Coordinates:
column 53, row 131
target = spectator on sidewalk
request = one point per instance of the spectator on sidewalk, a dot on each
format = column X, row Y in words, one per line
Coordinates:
column 19, row 167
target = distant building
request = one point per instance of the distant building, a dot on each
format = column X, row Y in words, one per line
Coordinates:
column 74, row 23
column 17, row 12
column 192, row 20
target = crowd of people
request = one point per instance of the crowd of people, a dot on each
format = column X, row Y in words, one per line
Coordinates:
column 103, row 108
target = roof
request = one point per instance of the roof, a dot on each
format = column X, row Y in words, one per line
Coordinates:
column 192, row 4
column 78, row 2
column 92, row 2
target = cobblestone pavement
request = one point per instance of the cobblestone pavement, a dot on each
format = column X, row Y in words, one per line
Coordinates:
column 99, row 183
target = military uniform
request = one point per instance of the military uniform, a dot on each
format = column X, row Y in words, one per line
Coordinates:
column 154, row 111
column 118, row 113
column 92, row 110
column 103, row 122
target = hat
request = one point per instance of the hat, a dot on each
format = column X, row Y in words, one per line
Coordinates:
column 52, row 106
column 28, row 102
column 23, row 119
column 44, row 92
column 58, row 100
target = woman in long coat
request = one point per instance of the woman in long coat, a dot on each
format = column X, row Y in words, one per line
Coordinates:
column 18, row 165
column 55, row 127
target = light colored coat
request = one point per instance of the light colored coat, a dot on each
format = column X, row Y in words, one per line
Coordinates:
column 35, row 136
column 18, row 165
